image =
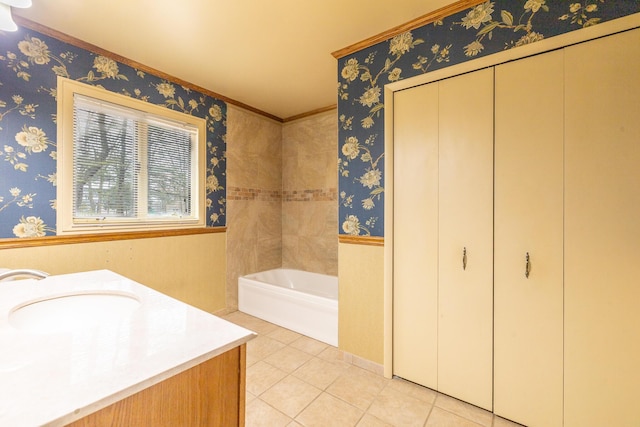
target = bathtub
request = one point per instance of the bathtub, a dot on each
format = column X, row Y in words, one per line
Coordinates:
column 304, row 302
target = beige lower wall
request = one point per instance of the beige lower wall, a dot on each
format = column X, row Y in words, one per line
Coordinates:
column 188, row 268
column 361, row 301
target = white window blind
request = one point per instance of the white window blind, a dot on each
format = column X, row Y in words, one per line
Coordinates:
column 130, row 165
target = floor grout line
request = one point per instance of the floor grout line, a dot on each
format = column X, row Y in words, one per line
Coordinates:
column 343, row 369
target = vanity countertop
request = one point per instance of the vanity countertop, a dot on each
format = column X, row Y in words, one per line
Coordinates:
column 54, row 377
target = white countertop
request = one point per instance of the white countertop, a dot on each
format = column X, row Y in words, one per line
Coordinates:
column 54, row 378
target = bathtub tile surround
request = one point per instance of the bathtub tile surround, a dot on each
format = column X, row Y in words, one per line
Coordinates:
column 309, row 239
column 310, row 182
column 254, row 203
column 286, row 218
column 31, row 62
column 295, row 381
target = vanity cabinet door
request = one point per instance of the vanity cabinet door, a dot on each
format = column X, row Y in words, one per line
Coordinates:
column 210, row 394
column 602, row 232
column 415, row 235
column 528, row 283
column 465, row 261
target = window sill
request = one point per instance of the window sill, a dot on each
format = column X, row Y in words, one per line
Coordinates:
column 103, row 237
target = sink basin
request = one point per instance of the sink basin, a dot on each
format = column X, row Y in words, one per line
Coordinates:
column 73, row 312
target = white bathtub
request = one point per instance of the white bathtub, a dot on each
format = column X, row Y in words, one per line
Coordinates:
column 298, row 300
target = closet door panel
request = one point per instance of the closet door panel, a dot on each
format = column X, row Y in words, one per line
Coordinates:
column 602, row 259
column 465, row 312
column 415, row 235
column 528, row 317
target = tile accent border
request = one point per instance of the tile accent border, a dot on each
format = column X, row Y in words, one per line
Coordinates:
column 241, row 193
column 313, row 195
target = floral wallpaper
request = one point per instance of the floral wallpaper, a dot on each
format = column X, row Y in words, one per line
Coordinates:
column 29, row 65
column 487, row 28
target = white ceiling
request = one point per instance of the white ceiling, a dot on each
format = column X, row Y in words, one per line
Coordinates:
column 274, row 56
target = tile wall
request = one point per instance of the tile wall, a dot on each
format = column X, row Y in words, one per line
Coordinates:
column 254, row 196
column 310, row 182
column 281, row 195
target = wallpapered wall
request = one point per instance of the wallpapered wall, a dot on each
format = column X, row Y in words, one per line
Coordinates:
column 29, row 65
column 487, row 28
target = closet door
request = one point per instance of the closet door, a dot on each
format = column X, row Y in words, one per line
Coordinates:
column 528, row 302
column 465, row 282
column 415, row 235
column 602, row 232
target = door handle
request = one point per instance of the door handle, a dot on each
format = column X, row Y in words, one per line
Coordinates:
column 464, row 258
column 527, row 265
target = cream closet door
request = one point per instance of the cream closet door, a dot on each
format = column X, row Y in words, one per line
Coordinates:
column 443, row 186
column 465, row 281
column 415, row 235
column 528, row 311
column 602, row 232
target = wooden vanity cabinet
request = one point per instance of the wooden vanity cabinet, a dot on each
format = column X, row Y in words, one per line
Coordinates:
column 209, row 394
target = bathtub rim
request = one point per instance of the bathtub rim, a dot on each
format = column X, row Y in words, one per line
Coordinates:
column 332, row 281
column 308, row 314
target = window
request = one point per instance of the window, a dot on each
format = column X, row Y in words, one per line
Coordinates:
column 125, row 164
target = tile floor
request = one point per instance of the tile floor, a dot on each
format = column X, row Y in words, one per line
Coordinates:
column 293, row 380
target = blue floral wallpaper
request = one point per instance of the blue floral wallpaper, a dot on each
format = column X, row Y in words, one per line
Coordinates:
column 487, row 28
column 29, row 65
